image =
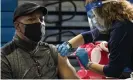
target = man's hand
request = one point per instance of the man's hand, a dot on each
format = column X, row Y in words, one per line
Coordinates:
column 64, row 48
column 82, row 55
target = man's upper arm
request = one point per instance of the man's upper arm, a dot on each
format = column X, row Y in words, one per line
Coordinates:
column 66, row 70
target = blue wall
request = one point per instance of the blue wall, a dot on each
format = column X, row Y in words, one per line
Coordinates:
column 7, row 28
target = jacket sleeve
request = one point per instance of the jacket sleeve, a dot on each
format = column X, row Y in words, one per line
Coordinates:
column 6, row 72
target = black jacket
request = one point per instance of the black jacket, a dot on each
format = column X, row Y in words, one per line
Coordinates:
column 21, row 59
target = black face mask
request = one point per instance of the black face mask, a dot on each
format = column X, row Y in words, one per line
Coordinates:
column 33, row 31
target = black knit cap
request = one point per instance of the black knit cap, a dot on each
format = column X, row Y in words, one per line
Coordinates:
column 27, row 8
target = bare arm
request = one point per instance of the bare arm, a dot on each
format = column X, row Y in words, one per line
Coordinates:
column 65, row 69
column 76, row 41
column 96, row 68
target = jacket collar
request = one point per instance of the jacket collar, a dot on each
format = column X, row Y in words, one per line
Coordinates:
column 26, row 45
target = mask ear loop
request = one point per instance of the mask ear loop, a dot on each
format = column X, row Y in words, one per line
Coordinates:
column 42, row 29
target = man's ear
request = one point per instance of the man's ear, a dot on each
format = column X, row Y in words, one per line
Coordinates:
column 17, row 25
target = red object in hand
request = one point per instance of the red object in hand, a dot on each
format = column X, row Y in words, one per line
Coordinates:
column 97, row 55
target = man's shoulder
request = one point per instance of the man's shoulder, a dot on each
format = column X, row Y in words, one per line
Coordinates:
column 52, row 48
column 44, row 43
column 8, row 48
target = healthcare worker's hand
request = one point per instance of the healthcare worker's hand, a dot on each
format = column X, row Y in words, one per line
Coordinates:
column 82, row 55
column 103, row 46
column 64, row 48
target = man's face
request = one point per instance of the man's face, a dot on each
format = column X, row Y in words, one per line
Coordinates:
column 33, row 18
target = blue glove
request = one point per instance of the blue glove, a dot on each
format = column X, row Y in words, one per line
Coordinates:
column 64, row 48
column 82, row 55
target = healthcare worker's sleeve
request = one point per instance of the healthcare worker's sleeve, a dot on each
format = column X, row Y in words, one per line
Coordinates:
column 120, row 48
column 94, row 35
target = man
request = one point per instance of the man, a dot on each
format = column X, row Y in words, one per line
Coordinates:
column 26, row 56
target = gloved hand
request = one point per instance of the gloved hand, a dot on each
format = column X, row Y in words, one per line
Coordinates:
column 64, row 48
column 82, row 55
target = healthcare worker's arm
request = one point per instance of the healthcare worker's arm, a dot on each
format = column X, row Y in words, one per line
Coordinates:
column 85, row 37
column 82, row 38
column 66, row 47
column 76, row 41
column 96, row 68
column 66, row 70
